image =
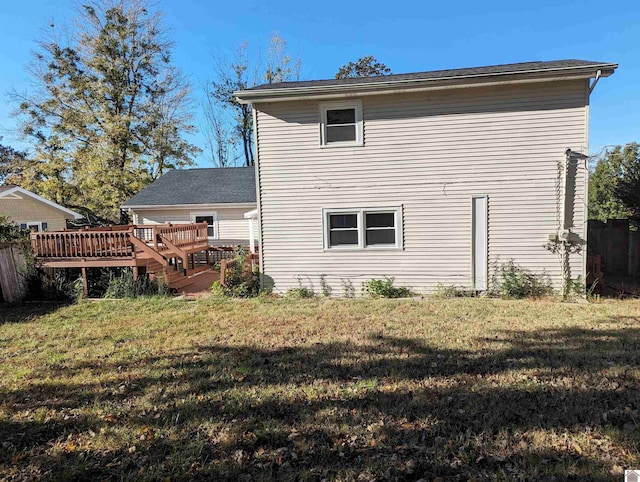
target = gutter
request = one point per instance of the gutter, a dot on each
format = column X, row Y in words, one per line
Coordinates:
column 416, row 85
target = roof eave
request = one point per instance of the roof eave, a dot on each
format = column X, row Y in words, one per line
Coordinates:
column 33, row 195
column 414, row 85
column 244, row 204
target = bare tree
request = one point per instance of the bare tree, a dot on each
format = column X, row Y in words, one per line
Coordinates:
column 219, row 139
column 229, row 121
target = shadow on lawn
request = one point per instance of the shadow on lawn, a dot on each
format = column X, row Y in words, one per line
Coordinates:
column 21, row 312
column 392, row 408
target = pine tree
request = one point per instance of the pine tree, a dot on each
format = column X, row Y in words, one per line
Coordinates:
column 110, row 110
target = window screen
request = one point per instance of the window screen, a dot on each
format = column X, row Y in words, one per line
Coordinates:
column 380, row 228
column 343, row 229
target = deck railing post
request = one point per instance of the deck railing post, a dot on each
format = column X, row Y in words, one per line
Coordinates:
column 223, row 269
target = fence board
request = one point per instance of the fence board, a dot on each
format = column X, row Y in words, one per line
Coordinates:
column 617, row 246
column 12, row 265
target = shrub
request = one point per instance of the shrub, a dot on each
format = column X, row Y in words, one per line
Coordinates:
column 324, row 286
column 452, row 291
column 347, row 288
column 383, row 288
column 240, row 280
column 124, row 286
column 301, row 292
column 518, row 282
column 10, row 232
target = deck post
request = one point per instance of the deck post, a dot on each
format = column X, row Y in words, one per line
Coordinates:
column 85, row 283
column 223, row 269
column 135, row 273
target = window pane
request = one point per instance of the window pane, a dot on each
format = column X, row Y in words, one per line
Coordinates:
column 380, row 220
column 337, row 238
column 208, row 219
column 341, row 116
column 341, row 133
column 343, row 221
column 381, row 236
column 210, row 231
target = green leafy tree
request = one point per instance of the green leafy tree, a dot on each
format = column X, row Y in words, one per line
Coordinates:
column 12, row 162
column 222, row 108
column 109, row 111
column 628, row 189
column 604, row 202
column 364, row 67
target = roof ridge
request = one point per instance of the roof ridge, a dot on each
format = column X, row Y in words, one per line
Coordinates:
column 455, row 75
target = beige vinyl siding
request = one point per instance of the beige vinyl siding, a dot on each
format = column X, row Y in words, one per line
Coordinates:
column 26, row 209
column 231, row 221
column 430, row 153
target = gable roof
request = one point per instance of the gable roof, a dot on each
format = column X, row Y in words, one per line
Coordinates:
column 8, row 191
column 532, row 71
column 219, row 185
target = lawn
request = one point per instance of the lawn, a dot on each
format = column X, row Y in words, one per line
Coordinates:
column 275, row 389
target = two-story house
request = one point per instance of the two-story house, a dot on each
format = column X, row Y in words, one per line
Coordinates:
column 429, row 177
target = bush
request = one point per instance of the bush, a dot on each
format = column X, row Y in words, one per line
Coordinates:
column 10, row 232
column 65, row 286
column 452, row 291
column 517, row 282
column 383, row 288
column 124, row 286
column 301, row 292
column 240, row 282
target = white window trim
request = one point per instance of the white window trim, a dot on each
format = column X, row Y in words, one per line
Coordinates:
column 351, row 104
column 39, row 223
column 193, row 215
column 360, row 212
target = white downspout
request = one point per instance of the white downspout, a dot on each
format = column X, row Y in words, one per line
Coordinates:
column 252, row 240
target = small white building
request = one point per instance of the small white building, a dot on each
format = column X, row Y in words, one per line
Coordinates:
column 219, row 196
column 428, row 177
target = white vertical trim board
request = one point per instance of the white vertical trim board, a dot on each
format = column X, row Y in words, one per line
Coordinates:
column 479, row 242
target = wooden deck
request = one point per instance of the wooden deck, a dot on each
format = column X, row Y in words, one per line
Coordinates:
column 163, row 251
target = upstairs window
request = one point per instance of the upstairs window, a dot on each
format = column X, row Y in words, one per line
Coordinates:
column 341, row 124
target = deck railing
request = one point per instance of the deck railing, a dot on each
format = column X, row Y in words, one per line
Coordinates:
column 182, row 235
column 115, row 241
column 82, row 244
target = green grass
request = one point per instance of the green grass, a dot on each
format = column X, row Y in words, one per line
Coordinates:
column 281, row 389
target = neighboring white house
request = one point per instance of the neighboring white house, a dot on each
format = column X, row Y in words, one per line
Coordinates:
column 219, row 196
column 429, row 177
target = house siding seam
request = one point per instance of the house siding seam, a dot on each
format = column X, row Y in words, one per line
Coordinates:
column 429, row 152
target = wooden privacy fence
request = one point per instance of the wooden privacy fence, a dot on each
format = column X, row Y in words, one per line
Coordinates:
column 12, row 266
column 251, row 261
column 617, row 247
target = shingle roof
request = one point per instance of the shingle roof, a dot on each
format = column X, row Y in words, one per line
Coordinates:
column 444, row 74
column 6, row 187
column 199, row 186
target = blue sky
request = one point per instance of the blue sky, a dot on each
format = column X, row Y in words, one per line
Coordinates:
column 407, row 36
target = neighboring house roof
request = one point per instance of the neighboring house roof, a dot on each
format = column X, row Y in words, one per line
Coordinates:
column 9, row 191
column 198, row 186
column 432, row 79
